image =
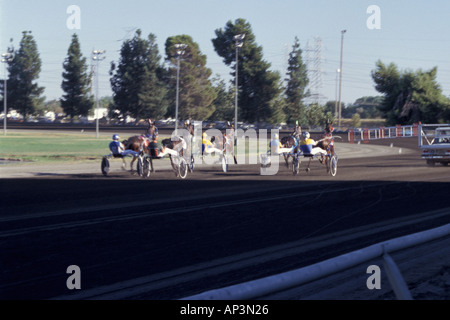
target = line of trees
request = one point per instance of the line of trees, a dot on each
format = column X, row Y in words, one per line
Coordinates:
column 144, row 85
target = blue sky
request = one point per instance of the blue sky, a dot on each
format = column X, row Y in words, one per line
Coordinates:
column 413, row 35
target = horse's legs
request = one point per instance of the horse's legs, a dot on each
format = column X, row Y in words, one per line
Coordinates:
column 131, row 163
column 286, row 159
column 124, row 164
column 309, row 163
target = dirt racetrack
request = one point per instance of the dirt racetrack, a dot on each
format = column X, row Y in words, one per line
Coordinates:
column 123, row 228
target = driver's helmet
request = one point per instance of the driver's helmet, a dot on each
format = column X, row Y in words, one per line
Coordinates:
column 305, row 135
column 275, row 136
column 115, row 137
column 204, row 135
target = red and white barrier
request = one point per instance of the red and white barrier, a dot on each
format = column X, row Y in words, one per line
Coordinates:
column 399, row 131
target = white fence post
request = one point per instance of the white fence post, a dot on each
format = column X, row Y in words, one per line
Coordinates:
column 395, row 277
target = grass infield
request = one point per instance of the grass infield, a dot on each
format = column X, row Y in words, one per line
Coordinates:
column 51, row 147
column 58, row 147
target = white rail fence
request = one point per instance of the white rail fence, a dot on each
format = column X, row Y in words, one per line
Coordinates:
column 287, row 280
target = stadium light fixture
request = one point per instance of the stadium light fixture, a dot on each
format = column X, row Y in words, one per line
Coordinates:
column 340, row 78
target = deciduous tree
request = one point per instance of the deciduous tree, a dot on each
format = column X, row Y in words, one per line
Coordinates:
column 410, row 96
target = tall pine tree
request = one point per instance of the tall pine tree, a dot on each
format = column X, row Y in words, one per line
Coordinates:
column 137, row 80
column 24, row 94
column 76, row 82
column 297, row 81
column 259, row 88
column 196, row 93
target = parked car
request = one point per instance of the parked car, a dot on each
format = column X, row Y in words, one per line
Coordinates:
column 438, row 149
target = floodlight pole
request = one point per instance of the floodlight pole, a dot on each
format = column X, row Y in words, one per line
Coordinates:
column 239, row 39
column 336, row 99
column 180, row 51
column 96, row 57
column 6, row 57
column 340, row 77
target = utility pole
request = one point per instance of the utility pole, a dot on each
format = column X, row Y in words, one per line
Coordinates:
column 335, row 97
column 340, row 77
column 96, row 56
column 239, row 40
column 6, row 57
column 180, row 51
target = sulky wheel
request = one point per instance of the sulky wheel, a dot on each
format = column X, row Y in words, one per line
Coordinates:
column 224, row 164
column 192, row 164
column 146, row 168
column 182, row 168
column 140, row 166
column 333, row 165
column 295, row 166
column 105, row 166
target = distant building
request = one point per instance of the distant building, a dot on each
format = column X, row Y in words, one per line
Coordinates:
column 98, row 114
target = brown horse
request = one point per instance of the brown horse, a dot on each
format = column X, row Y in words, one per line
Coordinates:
column 326, row 142
column 136, row 143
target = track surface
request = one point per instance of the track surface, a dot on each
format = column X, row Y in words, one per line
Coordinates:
column 166, row 238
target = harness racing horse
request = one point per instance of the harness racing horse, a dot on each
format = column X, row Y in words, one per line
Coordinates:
column 136, row 142
column 327, row 144
column 291, row 141
column 326, row 141
column 179, row 143
column 228, row 142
